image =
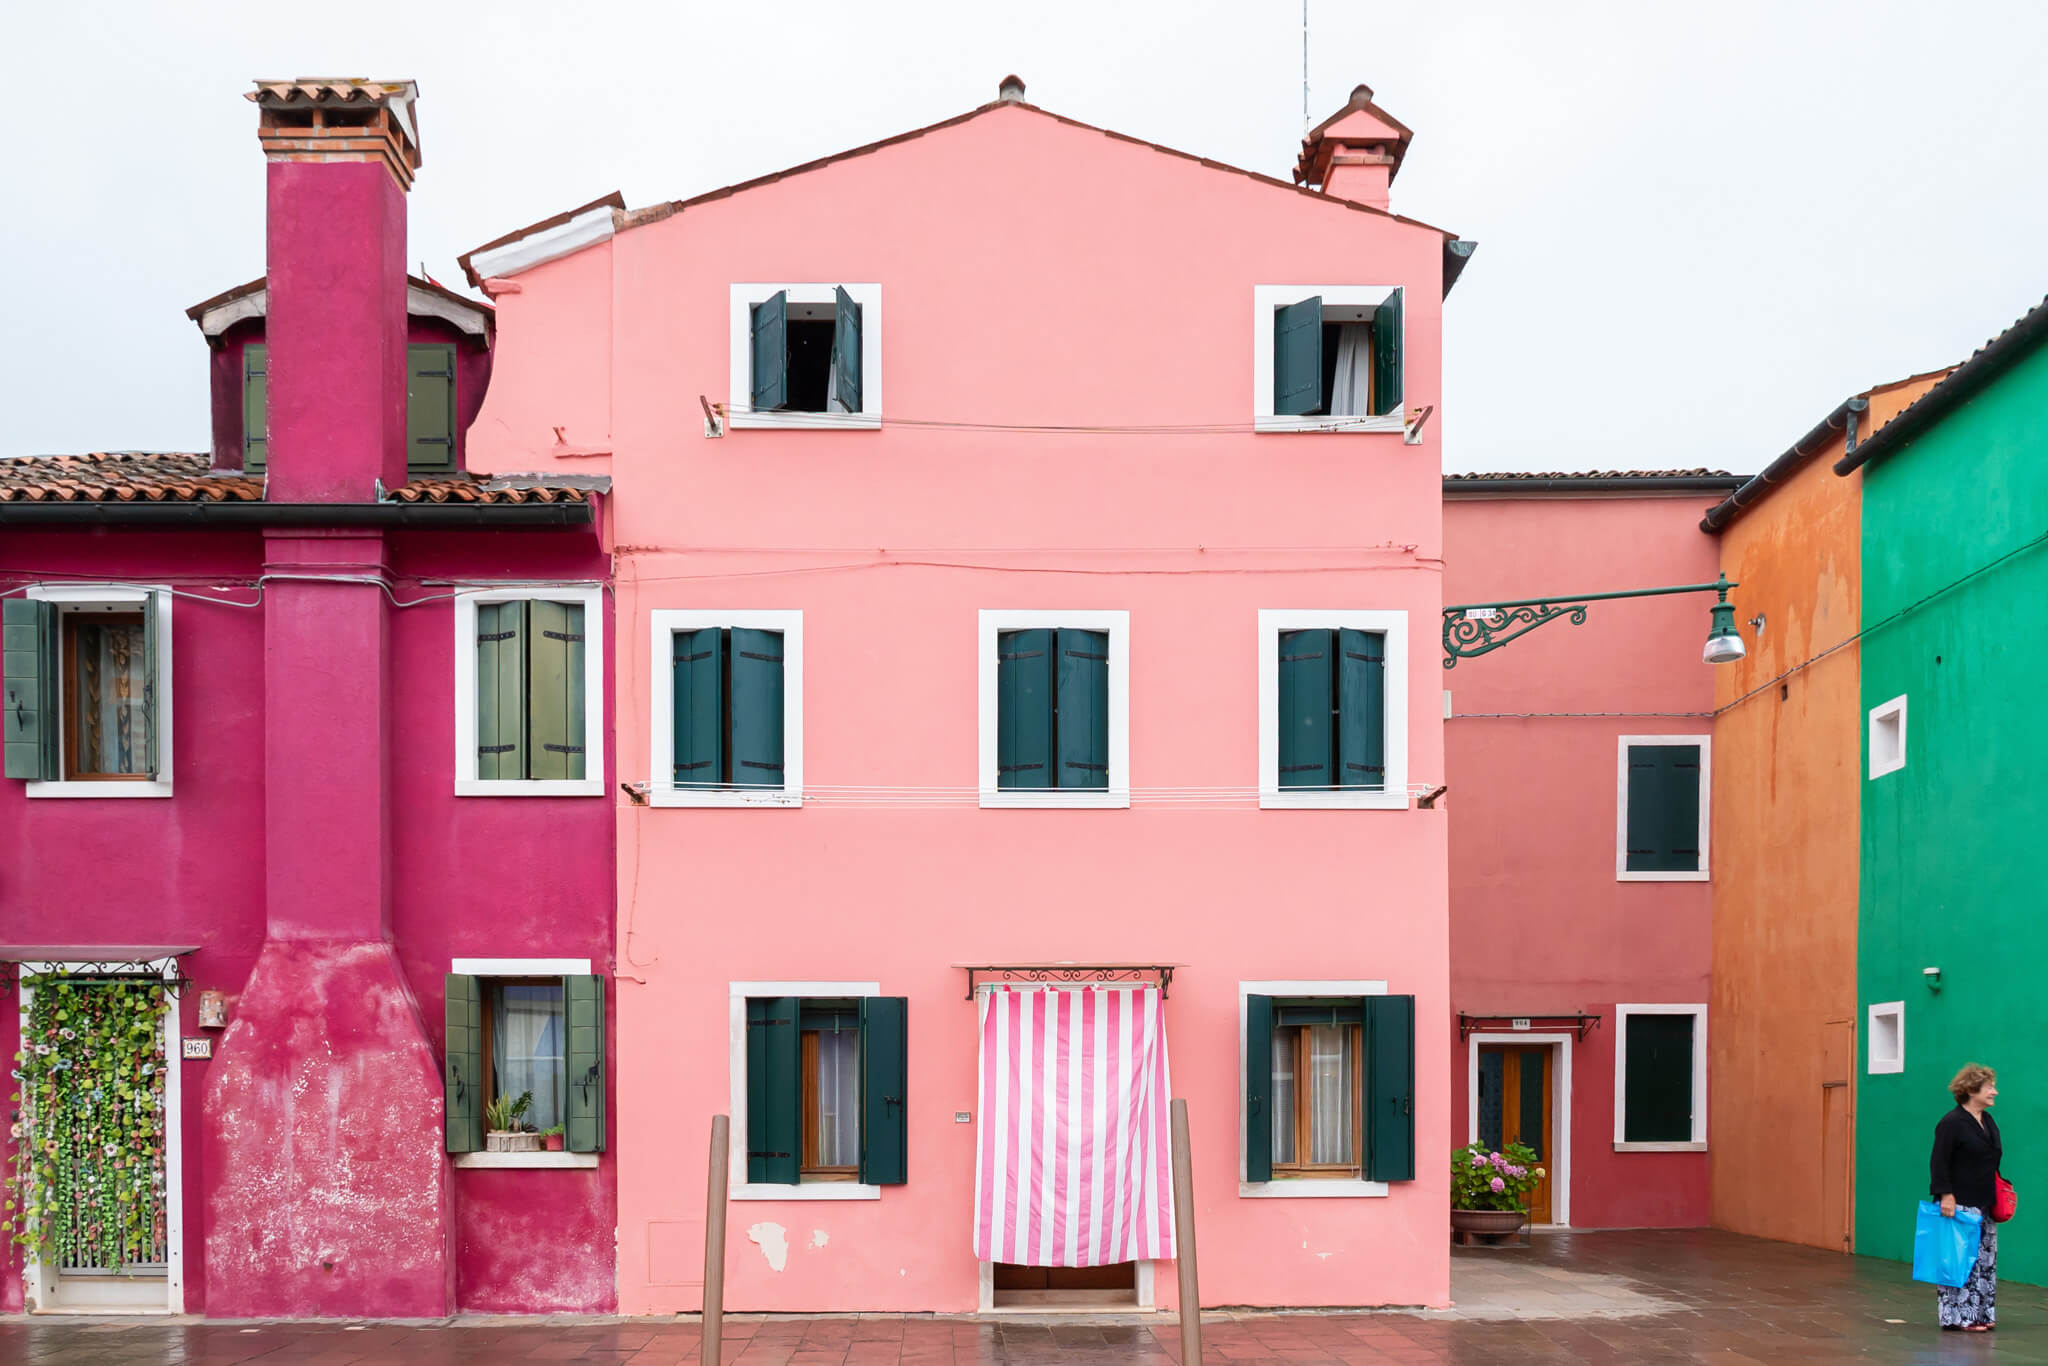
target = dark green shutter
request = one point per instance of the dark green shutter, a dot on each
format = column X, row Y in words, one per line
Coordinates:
column 770, row 350
column 1390, row 1088
column 846, row 349
column 1081, row 722
column 29, row 725
column 255, row 406
column 152, row 759
column 1361, row 709
column 1386, row 356
column 463, row 1083
column 501, row 636
column 430, row 407
column 775, row 1081
column 1024, row 708
column 1258, row 1088
column 554, row 690
column 1658, row 1070
column 696, row 710
column 884, row 1090
column 1663, row 809
column 1308, row 677
column 756, row 707
column 1298, row 358
column 583, row 1063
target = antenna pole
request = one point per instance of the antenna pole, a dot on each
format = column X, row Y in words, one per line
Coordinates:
column 1304, row 66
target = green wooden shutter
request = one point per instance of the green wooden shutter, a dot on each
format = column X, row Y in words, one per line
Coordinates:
column 757, row 688
column 464, row 1085
column 696, row 708
column 1308, row 678
column 846, row 349
column 884, row 1090
column 501, row 640
column 430, row 407
column 1024, row 709
column 1663, row 809
column 770, row 350
column 583, row 1063
column 255, row 406
column 29, row 725
column 152, row 762
column 1658, row 1069
column 1390, row 1088
column 1386, row 356
column 1258, row 1088
column 1081, row 709
column 1362, row 709
column 775, row 1081
column 1298, row 358
column 554, row 690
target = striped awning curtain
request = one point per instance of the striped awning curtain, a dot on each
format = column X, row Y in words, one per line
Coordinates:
column 1073, row 1166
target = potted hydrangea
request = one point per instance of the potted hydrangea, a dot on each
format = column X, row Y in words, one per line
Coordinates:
column 1490, row 1190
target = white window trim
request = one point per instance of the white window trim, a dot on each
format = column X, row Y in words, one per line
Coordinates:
column 738, row 1187
column 1877, row 1066
column 99, row 594
column 1394, row 627
column 1312, row 1189
column 523, row 967
column 1117, row 625
column 1699, row 1077
column 740, row 411
column 1560, row 1117
column 661, row 729
column 1266, row 298
column 467, row 784
column 1882, row 711
column 1621, row 868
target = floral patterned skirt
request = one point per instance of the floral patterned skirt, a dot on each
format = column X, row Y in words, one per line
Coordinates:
column 1974, row 1300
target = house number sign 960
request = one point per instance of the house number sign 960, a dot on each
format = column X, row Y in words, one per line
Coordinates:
column 198, row 1048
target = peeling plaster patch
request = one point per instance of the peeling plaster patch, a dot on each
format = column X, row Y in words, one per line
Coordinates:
column 774, row 1242
column 819, row 1237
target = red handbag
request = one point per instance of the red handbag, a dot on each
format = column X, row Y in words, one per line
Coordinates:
column 2007, row 1202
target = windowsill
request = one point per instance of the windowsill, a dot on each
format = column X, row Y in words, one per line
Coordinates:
column 829, row 422
column 764, row 798
column 529, row 787
column 1700, row 876
column 1333, row 801
column 68, row 788
column 1622, row 1147
column 540, row 1159
column 1110, row 799
column 1389, row 422
column 1311, row 1189
column 809, row 1190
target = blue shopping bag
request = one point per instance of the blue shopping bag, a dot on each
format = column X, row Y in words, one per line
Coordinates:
column 1944, row 1249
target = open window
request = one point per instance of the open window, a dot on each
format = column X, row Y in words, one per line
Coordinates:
column 806, row 355
column 87, row 691
column 529, row 692
column 1329, row 1086
column 533, row 1028
column 820, row 1092
column 727, row 728
column 1328, row 358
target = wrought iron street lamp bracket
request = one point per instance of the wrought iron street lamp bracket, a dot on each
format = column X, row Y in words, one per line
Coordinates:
column 1476, row 628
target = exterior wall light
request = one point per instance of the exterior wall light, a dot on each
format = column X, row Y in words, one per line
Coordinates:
column 1476, row 628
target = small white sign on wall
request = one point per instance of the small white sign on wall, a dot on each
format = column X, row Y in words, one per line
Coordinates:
column 1518, row 1024
column 198, row 1048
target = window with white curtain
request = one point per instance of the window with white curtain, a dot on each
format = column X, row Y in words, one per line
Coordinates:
column 525, row 1031
column 1316, row 1073
column 831, row 1091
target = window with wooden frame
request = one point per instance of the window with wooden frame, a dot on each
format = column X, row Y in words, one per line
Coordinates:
column 1318, row 1075
column 87, row 701
column 1329, row 1088
column 825, row 1090
column 512, row 1033
column 831, row 1090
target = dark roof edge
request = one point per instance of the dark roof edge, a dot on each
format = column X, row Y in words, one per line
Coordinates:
column 1627, row 483
column 1780, row 469
column 615, row 200
column 1963, row 383
column 205, row 516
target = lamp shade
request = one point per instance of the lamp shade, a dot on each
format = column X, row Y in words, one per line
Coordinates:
column 1724, row 642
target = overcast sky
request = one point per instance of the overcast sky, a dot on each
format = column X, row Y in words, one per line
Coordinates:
column 1697, row 234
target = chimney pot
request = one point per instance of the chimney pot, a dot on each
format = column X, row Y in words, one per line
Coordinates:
column 1361, row 95
column 1011, row 91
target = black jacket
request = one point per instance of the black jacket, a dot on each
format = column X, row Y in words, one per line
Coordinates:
column 1966, row 1156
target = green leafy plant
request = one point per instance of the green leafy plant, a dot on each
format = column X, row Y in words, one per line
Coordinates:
column 503, row 1114
column 1484, row 1179
column 85, row 1183
column 552, row 1131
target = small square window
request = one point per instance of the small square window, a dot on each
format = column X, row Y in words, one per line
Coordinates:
column 1055, row 708
column 1888, row 737
column 728, row 709
column 806, row 355
column 1333, row 709
column 87, row 692
column 529, row 693
column 1328, row 358
column 1888, row 1037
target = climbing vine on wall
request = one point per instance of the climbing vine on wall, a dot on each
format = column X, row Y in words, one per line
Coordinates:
column 86, row 1186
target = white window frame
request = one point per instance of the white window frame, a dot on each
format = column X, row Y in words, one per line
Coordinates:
column 1560, row 1117
column 1698, row 1011
column 740, row 410
column 591, row 784
column 73, row 597
column 661, row 757
column 1308, row 1188
column 1621, row 868
column 1893, row 761
column 1267, row 298
column 524, row 967
column 1117, row 626
column 738, row 1187
column 1879, row 1064
column 1393, row 626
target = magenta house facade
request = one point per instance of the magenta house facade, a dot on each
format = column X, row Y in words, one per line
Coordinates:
column 1028, row 548
column 319, row 719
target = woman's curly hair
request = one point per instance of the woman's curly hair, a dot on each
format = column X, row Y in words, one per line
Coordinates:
column 1973, row 1078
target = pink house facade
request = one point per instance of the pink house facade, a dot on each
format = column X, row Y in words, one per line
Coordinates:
column 305, row 786
column 1028, row 559
column 1581, row 867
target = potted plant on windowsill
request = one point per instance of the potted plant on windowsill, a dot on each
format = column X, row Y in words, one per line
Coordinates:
column 552, row 1138
column 504, row 1133
column 1490, row 1190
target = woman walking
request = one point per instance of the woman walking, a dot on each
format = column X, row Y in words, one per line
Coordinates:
column 1964, row 1169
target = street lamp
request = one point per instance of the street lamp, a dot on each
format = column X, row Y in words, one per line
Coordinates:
column 1473, row 629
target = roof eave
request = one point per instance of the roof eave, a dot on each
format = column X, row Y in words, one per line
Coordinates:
column 1963, row 383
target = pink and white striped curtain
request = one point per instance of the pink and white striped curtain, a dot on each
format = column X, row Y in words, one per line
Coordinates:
column 1074, row 1162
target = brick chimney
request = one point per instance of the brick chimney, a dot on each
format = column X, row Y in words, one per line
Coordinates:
column 1355, row 153
column 342, row 154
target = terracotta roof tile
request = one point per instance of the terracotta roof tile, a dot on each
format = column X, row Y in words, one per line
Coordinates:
column 184, row 477
column 1594, row 474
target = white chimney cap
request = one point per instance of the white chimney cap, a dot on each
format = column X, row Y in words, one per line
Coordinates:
column 1011, row 91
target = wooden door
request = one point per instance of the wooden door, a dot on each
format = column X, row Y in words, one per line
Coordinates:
column 1515, row 1106
column 1838, row 1060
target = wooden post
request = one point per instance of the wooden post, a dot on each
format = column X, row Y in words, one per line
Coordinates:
column 1184, row 1238
column 714, row 1242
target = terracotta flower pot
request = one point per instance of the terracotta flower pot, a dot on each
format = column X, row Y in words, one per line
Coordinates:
column 554, row 1142
column 1490, row 1225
